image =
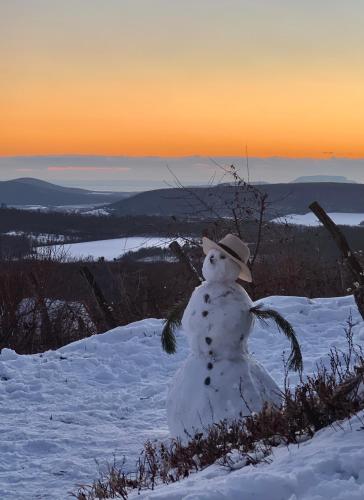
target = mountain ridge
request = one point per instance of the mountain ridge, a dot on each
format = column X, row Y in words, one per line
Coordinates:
column 283, row 199
column 323, row 178
column 32, row 191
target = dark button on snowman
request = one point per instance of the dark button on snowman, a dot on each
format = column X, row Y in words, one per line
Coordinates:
column 219, row 379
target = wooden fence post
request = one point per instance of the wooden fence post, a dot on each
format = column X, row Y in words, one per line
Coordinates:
column 103, row 304
column 349, row 258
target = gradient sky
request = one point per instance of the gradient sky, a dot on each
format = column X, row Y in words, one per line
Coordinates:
column 174, row 78
column 122, row 173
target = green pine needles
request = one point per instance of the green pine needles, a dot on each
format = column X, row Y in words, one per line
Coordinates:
column 174, row 319
column 172, row 322
column 264, row 315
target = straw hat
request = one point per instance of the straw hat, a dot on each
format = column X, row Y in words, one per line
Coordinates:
column 233, row 247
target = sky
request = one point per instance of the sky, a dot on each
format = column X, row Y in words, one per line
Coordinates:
column 118, row 173
column 164, row 78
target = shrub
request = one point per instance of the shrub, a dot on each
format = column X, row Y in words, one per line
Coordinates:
column 329, row 395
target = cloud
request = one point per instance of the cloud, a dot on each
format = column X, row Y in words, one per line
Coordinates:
column 204, row 166
column 87, row 169
column 24, row 169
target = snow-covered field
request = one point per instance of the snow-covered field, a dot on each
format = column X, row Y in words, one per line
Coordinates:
column 310, row 219
column 40, row 238
column 102, row 397
column 60, row 208
column 109, row 249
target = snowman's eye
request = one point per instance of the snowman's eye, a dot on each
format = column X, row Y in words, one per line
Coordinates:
column 222, row 256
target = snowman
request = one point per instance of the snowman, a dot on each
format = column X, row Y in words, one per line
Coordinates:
column 219, row 379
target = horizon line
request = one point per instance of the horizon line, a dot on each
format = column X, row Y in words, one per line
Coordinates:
column 323, row 156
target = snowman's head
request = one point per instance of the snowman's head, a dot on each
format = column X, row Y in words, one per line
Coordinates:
column 217, row 266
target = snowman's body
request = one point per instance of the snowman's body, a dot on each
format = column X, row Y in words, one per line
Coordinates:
column 219, row 380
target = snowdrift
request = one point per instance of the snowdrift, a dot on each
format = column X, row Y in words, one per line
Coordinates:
column 104, row 396
column 329, row 466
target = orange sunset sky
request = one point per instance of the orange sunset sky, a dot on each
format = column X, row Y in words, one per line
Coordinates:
column 174, row 78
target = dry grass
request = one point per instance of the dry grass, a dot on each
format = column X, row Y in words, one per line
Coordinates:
column 328, row 396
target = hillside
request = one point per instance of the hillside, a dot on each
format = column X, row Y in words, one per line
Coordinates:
column 327, row 467
column 284, row 199
column 323, row 178
column 30, row 191
column 102, row 397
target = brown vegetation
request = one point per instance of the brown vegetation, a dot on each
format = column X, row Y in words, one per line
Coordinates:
column 291, row 261
column 78, row 227
column 328, row 396
column 286, row 260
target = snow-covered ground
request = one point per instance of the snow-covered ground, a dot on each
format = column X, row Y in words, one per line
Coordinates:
column 109, row 249
column 102, row 397
column 97, row 212
column 53, row 208
column 40, row 238
column 310, row 219
column 330, row 466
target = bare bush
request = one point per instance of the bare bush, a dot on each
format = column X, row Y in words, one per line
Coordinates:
column 32, row 317
column 330, row 395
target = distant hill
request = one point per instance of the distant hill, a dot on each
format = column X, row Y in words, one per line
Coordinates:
column 30, row 191
column 323, row 178
column 283, row 199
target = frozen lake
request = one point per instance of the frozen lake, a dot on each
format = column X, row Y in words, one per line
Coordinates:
column 109, row 249
column 309, row 219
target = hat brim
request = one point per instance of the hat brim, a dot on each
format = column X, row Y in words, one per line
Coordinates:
column 245, row 273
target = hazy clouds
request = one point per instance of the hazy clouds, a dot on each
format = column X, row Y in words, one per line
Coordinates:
column 141, row 173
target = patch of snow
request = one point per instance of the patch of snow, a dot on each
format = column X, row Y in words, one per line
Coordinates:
column 159, row 258
column 39, row 208
column 39, row 237
column 14, row 233
column 59, row 208
column 104, row 396
column 70, row 313
column 310, row 219
column 97, row 212
column 48, row 237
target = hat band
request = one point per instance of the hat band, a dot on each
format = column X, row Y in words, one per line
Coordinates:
column 231, row 252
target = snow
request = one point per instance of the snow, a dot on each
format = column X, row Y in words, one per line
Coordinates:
column 310, row 219
column 103, row 396
column 39, row 237
column 97, row 211
column 330, row 466
column 219, row 370
column 109, row 249
column 59, row 208
column 74, row 315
